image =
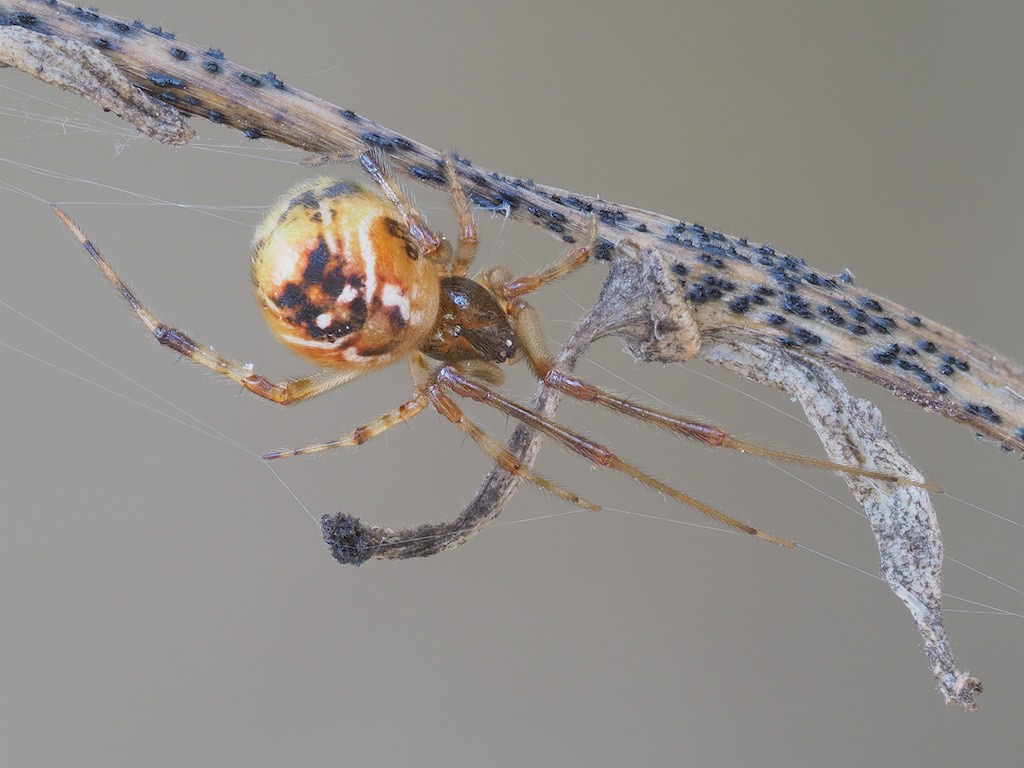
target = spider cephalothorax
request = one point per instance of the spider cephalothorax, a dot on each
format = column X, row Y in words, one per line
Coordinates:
column 354, row 279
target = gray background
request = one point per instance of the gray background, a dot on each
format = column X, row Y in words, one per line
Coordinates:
column 166, row 602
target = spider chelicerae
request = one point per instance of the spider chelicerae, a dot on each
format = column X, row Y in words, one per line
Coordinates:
column 353, row 279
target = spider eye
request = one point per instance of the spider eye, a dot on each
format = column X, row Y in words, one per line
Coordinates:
column 339, row 277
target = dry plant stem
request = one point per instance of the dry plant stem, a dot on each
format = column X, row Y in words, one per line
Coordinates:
column 902, row 518
column 83, row 70
column 761, row 313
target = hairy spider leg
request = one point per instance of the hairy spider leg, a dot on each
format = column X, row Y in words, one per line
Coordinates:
column 431, row 243
column 464, row 218
column 449, row 378
column 507, row 288
column 427, row 390
column 360, row 435
column 494, row 450
column 282, row 393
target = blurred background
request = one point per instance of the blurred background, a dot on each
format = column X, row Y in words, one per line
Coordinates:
column 167, row 601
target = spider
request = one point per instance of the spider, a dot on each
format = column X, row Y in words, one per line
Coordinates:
column 352, row 278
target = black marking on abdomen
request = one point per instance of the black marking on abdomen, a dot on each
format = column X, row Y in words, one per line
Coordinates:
column 316, row 262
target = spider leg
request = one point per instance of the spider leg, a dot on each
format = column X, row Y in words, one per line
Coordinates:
column 375, row 165
column 528, row 329
column 494, row 450
column 464, row 218
column 403, row 413
column 431, row 244
column 497, row 453
column 407, row 411
column 508, row 288
column 281, row 393
column 451, row 379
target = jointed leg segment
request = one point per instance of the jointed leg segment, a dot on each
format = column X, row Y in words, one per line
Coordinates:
column 360, row 435
column 431, row 244
column 508, row 288
column 497, row 452
column 464, row 218
column 425, row 382
column 280, row 393
column 449, row 378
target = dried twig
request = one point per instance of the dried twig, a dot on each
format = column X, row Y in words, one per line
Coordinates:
column 81, row 69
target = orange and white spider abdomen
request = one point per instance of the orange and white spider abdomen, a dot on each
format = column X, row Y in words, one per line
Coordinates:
column 339, row 277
